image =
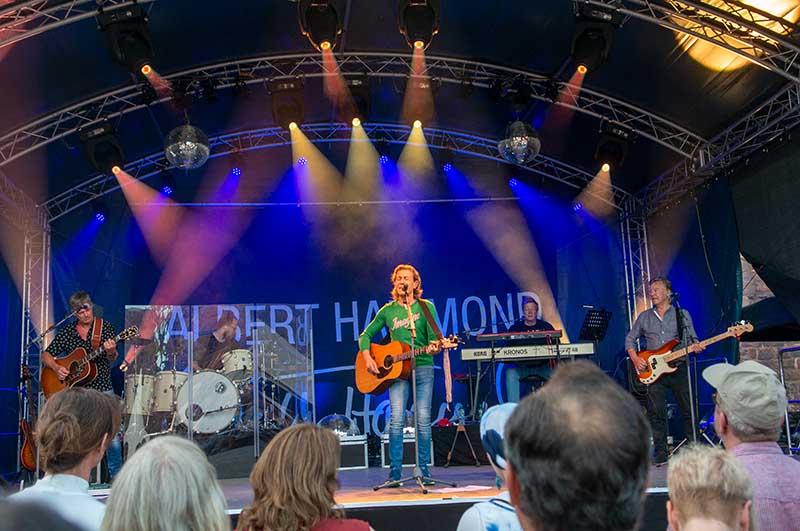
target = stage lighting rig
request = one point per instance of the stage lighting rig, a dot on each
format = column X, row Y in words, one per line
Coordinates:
column 594, row 35
column 99, row 211
column 361, row 98
column 612, row 147
column 168, row 183
column 102, row 146
column 319, row 22
column 287, row 101
column 127, row 37
column 520, row 144
column 418, row 21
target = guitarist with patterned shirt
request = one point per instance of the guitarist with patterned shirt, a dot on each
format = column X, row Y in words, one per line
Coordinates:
column 80, row 335
column 406, row 290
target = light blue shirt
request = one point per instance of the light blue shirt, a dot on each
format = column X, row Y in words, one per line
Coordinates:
column 67, row 495
column 657, row 330
column 496, row 514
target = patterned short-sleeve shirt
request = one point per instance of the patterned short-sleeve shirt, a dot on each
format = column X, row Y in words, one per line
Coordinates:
column 68, row 339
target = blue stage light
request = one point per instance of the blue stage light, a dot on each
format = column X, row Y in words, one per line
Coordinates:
column 302, row 161
column 384, row 159
column 100, row 217
column 513, row 182
column 236, row 172
column 447, row 167
column 166, row 189
column 577, row 207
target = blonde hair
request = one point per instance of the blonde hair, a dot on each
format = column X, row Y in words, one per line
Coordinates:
column 72, row 424
column 294, row 481
column 417, row 279
column 708, row 482
column 167, row 485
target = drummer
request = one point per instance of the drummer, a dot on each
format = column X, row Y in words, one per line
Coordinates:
column 209, row 349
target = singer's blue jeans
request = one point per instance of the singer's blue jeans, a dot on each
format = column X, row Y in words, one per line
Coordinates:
column 398, row 397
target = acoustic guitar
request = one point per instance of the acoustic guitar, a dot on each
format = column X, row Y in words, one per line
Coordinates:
column 394, row 363
column 658, row 360
column 82, row 367
column 27, row 454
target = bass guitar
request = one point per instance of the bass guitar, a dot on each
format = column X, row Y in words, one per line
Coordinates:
column 394, row 363
column 658, row 360
column 27, row 454
column 81, row 366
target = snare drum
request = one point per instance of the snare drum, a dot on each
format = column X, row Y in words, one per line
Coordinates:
column 216, row 402
column 168, row 383
column 237, row 364
column 138, row 394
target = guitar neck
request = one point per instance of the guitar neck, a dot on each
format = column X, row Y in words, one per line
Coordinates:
column 410, row 354
column 685, row 350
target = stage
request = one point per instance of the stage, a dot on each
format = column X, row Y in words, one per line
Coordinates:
column 407, row 508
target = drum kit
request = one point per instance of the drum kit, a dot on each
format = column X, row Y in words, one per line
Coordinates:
column 221, row 400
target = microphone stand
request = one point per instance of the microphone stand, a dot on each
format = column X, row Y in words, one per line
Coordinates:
column 685, row 339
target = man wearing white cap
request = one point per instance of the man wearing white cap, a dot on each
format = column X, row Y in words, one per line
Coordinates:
column 750, row 407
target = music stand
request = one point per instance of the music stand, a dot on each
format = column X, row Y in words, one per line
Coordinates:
column 594, row 328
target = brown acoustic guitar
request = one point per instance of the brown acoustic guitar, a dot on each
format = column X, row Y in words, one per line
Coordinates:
column 82, row 367
column 394, row 363
column 27, row 454
column 658, row 360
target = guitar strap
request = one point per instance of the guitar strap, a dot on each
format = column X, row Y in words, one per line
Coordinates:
column 448, row 378
column 97, row 330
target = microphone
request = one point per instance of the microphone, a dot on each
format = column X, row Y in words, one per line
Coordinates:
column 84, row 306
column 404, row 287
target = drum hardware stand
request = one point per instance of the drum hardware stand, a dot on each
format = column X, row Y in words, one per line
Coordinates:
column 461, row 428
column 417, row 474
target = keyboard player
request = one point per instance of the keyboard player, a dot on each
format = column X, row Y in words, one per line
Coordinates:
column 531, row 321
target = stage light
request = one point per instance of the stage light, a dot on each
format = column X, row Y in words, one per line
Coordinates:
column 612, row 147
column 115, row 170
column 319, row 22
column 446, row 158
column 593, row 36
column 384, row 159
column 292, row 126
column 417, row 124
column 418, row 21
column 606, row 167
column 168, row 183
column 447, row 167
column 236, row 171
column 187, row 147
column 99, row 211
column 356, row 122
column 513, row 182
column 287, row 102
column 521, row 143
column 127, row 37
column 302, row 161
column 102, row 146
column 146, row 69
column 577, row 207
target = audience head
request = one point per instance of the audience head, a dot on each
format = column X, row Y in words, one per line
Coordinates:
column 706, row 485
column 578, row 454
column 750, row 400
column 74, row 429
column 493, row 425
column 294, row 481
column 32, row 516
column 167, row 485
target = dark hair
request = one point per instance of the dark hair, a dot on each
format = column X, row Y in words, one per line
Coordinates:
column 72, row 424
column 664, row 280
column 78, row 299
column 31, row 516
column 579, row 449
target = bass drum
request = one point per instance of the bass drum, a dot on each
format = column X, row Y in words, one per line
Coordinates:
column 216, row 402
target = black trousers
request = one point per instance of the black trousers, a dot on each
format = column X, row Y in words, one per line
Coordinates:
column 678, row 383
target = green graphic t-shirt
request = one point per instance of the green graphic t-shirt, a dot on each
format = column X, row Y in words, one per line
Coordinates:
column 395, row 317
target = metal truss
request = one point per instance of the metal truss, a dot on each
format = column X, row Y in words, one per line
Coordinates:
column 23, row 20
column 741, row 29
column 17, row 207
column 238, row 73
column 250, row 140
column 767, row 122
column 636, row 260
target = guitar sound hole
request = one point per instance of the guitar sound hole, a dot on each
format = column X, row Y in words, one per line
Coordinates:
column 388, row 362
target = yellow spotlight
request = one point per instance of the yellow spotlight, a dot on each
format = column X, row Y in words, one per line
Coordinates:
column 325, row 45
column 146, row 69
column 606, row 167
column 417, row 123
column 418, row 45
column 292, row 126
column 582, row 69
column 356, row 122
column 115, row 170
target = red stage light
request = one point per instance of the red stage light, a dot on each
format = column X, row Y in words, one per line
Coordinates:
column 325, row 45
column 605, row 167
column 419, row 45
column 146, row 69
column 115, row 170
column 582, row 69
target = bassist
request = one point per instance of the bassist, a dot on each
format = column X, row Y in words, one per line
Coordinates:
column 658, row 325
column 406, row 293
